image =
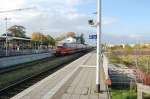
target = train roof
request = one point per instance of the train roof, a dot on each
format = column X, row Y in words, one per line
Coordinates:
column 15, row 38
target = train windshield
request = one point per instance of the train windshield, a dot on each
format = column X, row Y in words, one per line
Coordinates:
column 60, row 46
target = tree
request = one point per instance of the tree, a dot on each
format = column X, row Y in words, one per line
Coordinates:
column 82, row 40
column 51, row 40
column 71, row 34
column 36, row 36
column 59, row 38
column 17, row 31
column 41, row 39
column 44, row 40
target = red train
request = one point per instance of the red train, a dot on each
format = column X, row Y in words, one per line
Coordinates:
column 68, row 48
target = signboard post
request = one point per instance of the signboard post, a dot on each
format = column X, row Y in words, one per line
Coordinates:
column 99, row 57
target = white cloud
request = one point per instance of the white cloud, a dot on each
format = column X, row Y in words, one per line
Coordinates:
column 135, row 36
column 54, row 16
column 126, row 38
column 73, row 2
column 11, row 4
column 109, row 20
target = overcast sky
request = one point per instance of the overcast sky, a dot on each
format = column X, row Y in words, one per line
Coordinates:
column 124, row 21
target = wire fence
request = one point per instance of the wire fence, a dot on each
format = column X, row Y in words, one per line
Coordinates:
column 127, row 73
column 123, row 82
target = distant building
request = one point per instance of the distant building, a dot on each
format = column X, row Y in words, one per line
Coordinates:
column 69, row 40
column 130, row 45
column 78, row 40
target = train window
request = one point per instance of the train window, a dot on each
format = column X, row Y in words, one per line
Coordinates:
column 69, row 45
column 65, row 45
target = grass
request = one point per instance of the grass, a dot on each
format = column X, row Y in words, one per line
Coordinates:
column 13, row 76
column 123, row 94
column 114, row 58
column 143, row 62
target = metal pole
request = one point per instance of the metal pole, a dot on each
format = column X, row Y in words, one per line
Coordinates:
column 98, row 63
column 6, row 38
column 42, row 38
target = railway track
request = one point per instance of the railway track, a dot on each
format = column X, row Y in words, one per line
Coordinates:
column 20, row 85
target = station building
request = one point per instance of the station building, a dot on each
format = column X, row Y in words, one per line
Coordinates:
column 15, row 42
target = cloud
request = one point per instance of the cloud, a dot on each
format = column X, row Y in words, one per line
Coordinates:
column 73, row 2
column 109, row 20
column 136, row 36
column 114, row 38
column 13, row 4
column 52, row 16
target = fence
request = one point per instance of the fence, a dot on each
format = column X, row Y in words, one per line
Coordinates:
column 12, row 52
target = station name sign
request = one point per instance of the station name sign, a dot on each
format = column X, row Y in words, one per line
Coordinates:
column 92, row 36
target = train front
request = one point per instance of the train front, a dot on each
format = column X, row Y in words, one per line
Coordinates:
column 62, row 49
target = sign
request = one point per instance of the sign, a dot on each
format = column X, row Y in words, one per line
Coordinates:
column 92, row 36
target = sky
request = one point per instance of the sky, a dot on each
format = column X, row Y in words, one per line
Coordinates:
column 123, row 21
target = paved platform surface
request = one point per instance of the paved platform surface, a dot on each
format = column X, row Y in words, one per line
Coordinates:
column 74, row 81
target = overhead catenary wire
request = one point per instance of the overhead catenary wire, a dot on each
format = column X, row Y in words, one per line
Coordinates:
column 19, row 9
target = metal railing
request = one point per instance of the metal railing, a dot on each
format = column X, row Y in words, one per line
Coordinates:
column 105, row 71
column 14, row 52
column 142, row 89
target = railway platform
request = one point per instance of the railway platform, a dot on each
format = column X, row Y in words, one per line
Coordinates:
column 74, row 81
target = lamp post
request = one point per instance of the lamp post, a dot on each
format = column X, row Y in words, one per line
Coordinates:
column 99, row 56
column 6, row 40
column 99, row 61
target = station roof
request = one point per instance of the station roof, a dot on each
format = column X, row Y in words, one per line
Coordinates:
column 15, row 38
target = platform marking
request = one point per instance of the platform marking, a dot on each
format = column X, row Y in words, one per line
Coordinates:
column 53, row 91
column 87, row 66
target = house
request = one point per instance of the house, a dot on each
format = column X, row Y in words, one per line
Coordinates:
column 69, row 40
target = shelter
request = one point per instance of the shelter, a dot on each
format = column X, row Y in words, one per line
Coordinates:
column 15, row 42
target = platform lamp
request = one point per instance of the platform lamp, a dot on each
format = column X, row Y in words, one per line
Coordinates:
column 99, row 63
column 6, row 20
